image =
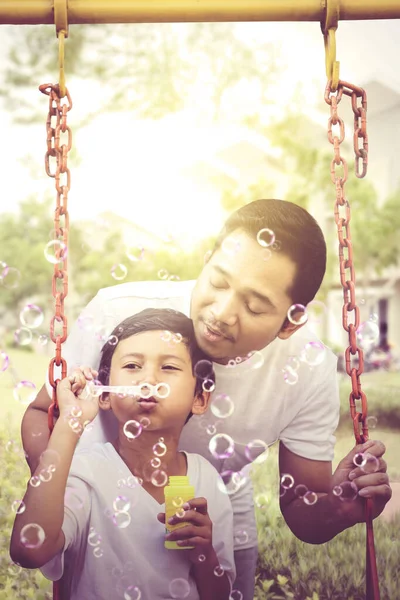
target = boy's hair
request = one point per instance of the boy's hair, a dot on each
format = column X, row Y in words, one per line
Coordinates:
column 159, row 319
column 299, row 234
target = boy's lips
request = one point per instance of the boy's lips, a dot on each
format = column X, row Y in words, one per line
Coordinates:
column 147, row 403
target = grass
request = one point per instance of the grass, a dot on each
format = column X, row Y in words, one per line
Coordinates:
column 287, row 568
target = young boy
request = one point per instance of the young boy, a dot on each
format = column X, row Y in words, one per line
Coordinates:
column 95, row 516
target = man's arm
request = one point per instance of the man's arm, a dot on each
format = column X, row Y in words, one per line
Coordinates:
column 319, row 522
column 34, row 428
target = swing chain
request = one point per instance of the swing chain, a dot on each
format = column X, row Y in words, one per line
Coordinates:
column 353, row 354
column 59, row 143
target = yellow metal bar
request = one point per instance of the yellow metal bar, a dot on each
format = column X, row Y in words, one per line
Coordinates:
column 34, row 12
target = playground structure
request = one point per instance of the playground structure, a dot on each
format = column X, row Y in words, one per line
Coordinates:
column 328, row 13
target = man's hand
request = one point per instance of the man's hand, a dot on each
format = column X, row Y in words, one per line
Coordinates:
column 77, row 405
column 361, row 474
column 197, row 533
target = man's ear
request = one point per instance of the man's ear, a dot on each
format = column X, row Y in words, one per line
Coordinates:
column 200, row 403
column 104, row 401
column 288, row 329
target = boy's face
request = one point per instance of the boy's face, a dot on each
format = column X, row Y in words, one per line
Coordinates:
column 146, row 358
column 242, row 295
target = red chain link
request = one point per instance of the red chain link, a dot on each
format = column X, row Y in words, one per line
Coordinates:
column 58, row 132
column 353, row 354
column 59, row 142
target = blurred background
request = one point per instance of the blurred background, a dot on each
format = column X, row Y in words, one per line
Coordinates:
column 175, row 126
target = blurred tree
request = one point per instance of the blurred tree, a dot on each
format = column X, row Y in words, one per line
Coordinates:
column 149, row 69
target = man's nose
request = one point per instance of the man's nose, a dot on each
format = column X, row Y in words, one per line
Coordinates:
column 226, row 310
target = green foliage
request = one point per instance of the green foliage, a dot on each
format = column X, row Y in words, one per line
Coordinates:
column 289, row 568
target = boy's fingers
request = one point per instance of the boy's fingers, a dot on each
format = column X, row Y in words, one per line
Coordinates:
column 161, row 517
column 190, row 516
column 198, row 504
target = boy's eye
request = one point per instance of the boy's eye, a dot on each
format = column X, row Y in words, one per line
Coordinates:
column 253, row 312
column 171, row 368
column 218, row 284
column 131, row 366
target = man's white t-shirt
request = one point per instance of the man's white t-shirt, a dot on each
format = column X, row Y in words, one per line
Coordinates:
column 113, row 540
column 303, row 415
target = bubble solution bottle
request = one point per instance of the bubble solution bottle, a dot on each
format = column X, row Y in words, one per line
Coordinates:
column 176, row 493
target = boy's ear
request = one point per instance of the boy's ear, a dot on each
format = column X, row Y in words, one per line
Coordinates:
column 200, row 403
column 288, row 329
column 104, row 401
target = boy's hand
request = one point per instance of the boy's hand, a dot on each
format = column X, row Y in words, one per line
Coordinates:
column 197, row 533
column 77, row 405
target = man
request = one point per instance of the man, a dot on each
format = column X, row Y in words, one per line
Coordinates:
column 248, row 311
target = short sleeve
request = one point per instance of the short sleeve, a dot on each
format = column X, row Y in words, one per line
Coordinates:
column 85, row 338
column 221, row 515
column 75, row 528
column 311, row 432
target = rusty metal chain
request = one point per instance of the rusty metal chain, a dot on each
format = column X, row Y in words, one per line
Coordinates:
column 350, row 311
column 348, row 279
column 59, row 142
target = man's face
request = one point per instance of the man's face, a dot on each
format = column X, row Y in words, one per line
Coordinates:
column 240, row 301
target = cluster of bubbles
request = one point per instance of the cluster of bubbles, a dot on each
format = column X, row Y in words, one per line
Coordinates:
column 94, row 540
column 164, row 275
column 31, row 317
column 171, row 337
column 301, row 491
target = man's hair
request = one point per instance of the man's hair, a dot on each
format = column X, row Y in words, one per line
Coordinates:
column 298, row 233
column 160, row 319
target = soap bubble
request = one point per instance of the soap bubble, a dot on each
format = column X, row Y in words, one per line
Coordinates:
column 45, row 475
column 4, row 361
column 367, row 335
column 287, row 481
column 177, row 501
column 236, row 595
column 371, row 464
column 163, row 274
column 241, row 537
column 121, row 504
column 132, row 593
column 219, row 571
column 23, row 336
column 265, row 237
column 42, row 339
column 300, row 490
column 297, row 314
column 360, row 459
column 337, row 490
column 10, row 278
column 18, row 507
column 290, row 376
column 119, row 271
column 211, row 429
column 31, row 316
column 222, row 406
column 310, row 498
column 155, row 463
column 230, row 482
column 202, row 558
column 166, row 336
column 266, row 254
column 134, row 253
column 86, row 322
column 24, row 392
column 179, row 588
column 145, row 422
column 121, row 519
column 203, row 369
column 159, row 478
column 349, row 491
column 222, row 446
column 32, row 536
column 208, row 385
column 94, row 538
column 34, row 481
column 98, row 552
column 262, row 500
column 256, row 451
column 55, row 251
column 313, row 353
column 132, row 429
column 371, row 421
column 293, row 363
column 159, row 448
column 112, row 340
